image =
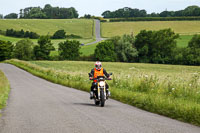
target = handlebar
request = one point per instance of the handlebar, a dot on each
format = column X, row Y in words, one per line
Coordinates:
column 104, row 78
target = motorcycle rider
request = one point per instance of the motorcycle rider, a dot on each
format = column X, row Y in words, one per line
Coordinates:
column 98, row 71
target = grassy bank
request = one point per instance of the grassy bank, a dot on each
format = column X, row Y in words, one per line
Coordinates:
column 169, row 90
column 4, row 89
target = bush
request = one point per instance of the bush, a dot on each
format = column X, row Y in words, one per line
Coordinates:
column 69, row 50
column 73, row 36
column 191, row 54
column 23, row 50
column 21, row 34
column 156, row 46
column 6, row 49
column 60, row 34
column 125, row 49
column 105, row 51
column 42, row 51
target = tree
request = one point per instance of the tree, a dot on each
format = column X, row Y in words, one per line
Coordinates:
column 105, row 51
column 36, row 12
column 156, row 46
column 191, row 54
column 11, row 16
column 60, row 34
column 1, row 16
column 69, row 50
column 42, row 51
column 6, row 49
column 125, row 50
column 23, row 49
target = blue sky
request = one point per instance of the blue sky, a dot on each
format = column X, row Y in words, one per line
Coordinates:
column 97, row 7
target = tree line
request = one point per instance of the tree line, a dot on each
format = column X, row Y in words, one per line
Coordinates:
column 26, row 50
column 59, row 34
column 127, row 12
column 149, row 47
column 48, row 12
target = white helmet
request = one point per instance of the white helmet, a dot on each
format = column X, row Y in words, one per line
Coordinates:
column 98, row 65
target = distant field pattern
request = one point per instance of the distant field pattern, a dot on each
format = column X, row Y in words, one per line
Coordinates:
column 111, row 29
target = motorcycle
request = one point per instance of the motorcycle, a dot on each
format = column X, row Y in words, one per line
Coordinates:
column 99, row 93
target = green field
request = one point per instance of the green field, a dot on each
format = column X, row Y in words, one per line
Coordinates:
column 170, row 90
column 88, row 49
column 183, row 40
column 4, row 89
column 81, row 27
column 110, row 29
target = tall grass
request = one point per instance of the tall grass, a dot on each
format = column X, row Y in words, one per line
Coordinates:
column 169, row 90
column 4, row 89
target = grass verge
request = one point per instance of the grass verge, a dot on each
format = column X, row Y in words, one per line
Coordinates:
column 4, row 89
column 146, row 86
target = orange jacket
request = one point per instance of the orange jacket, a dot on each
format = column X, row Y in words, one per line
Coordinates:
column 98, row 73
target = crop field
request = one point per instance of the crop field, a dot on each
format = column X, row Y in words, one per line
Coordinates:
column 81, row 27
column 110, row 29
column 170, row 90
column 4, row 89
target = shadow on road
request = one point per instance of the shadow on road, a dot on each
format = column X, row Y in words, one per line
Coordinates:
column 86, row 104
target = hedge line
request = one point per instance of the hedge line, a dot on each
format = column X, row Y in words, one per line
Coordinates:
column 152, row 19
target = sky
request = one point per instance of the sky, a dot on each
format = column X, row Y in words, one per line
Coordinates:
column 97, row 7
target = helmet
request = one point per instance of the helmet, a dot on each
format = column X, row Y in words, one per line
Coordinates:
column 98, row 65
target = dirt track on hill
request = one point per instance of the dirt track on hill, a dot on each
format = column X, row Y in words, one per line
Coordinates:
column 38, row 106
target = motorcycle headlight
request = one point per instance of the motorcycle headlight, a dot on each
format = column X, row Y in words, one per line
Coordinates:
column 101, row 83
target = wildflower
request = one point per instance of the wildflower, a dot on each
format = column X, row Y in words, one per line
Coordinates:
column 146, row 76
column 190, row 84
column 173, row 88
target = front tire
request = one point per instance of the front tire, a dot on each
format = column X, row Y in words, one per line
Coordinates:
column 102, row 98
column 97, row 102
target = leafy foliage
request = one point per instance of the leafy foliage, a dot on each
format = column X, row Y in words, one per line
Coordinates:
column 156, row 46
column 191, row 54
column 129, row 12
column 125, row 50
column 60, row 34
column 69, row 50
column 23, row 50
column 117, row 49
column 6, row 49
column 42, row 51
column 21, row 34
column 11, row 16
column 48, row 12
column 105, row 51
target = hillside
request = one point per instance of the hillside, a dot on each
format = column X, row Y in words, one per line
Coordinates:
column 81, row 27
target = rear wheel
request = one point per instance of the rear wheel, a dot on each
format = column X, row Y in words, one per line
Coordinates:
column 102, row 98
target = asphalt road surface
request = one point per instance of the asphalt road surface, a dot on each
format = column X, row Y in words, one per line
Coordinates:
column 97, row 32
column 38, row 106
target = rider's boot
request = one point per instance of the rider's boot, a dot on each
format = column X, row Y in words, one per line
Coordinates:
column 91, row 95
column 108, row 94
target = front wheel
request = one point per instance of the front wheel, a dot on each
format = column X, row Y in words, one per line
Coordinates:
column 97, row 102
column 102, row 98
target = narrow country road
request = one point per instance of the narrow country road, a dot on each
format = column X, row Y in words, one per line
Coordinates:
column 97, row 32
column 38, row 106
